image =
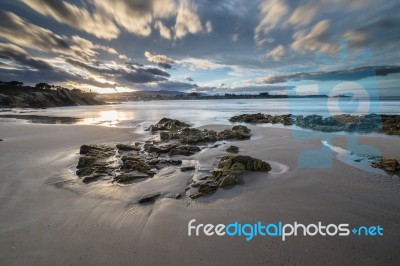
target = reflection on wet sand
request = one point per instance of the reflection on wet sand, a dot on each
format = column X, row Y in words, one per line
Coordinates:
column 105, row 118
column 38, row 119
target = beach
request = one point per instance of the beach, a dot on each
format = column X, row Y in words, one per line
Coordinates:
column 48, row 217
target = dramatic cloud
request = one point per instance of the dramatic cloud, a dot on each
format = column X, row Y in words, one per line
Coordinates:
column 276, row 53
column 21, row 57
column 165, row 32
column 77, row 17
column 272, row 12
column 161, row 60
column 200, row 64
column 129, row 44
column 315, row 40
column 347, row 74
column 138, row 17
column 26, row 34
column 187, row 21
column 23, row 33
column 303, row 15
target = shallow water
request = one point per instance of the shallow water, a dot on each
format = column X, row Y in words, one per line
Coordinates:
column 206, row 112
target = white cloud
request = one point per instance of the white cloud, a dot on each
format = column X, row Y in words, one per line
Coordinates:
column 77, row 17
column 303, row 15
column 165, row 32
column 276, row 53
column 272, row 12
column 314, row 40
column 161, row 60
column 102, row 17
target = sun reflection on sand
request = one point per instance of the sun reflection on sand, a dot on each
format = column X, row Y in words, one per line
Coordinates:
column 108, row 118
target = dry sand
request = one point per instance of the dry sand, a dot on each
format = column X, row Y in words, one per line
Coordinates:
column 48, row 220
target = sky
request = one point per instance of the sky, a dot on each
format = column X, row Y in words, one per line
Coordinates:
column 225, row 46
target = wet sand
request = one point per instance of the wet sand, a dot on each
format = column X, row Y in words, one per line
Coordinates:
column 46, row 219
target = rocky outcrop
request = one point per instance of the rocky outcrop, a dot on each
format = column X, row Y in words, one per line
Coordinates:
column 194, row 135
column 168, row 124
column 262, row 118
column 128, row 163
column 388, row 124
column 388, row 164
column 121, row 163
column 237, row 133
column 125, row 147
column 29, row 97
column 232, row 149
column 149, row 198
column 229, row 168
column 186, row 150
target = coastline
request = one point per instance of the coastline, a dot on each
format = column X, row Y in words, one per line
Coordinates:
column 42, row 220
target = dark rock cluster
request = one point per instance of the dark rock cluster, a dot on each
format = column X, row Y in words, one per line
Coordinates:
column 388, row 164
column 232, row 149
column 262, row 118
column 388, row 124
column 124, row 163
column 168, row 124
column 229, row 168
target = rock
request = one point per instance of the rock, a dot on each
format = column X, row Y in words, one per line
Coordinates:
column 242, row 162
column 237, row 132
column 188, row 168
column 91, row 178
column 186, row 150
column 229, row 180
column 233, row 149
column 164, row 136
column 178, row 196
column 207, row 187
column 84, row 149
column 241, row 129
column 85, row 161
column 149, row 198
column 168, row 124
column 1, row 139
column 262, row 118
column 85, row 171
column 229, row 168
column 125, row 147
column 102, row 150
column 195, row 195
column 126, row 177
column 161, row 148
column 194, row 135
column 138, row 165
column 387, row 163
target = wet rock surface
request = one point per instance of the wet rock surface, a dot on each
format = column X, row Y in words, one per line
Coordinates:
column 187, row 135
column 133, row 163
column 149, row 198
column 232, row 149
column 229, row 169
column 389, row 164
column 263, row 118
column 168, row 124
column 388, row 124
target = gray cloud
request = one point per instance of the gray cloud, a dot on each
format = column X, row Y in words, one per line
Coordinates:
column 161, row 60
column 347, row 74
column 21, row 57
column 101, row 17
column 76, row 16
column 23, row 33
